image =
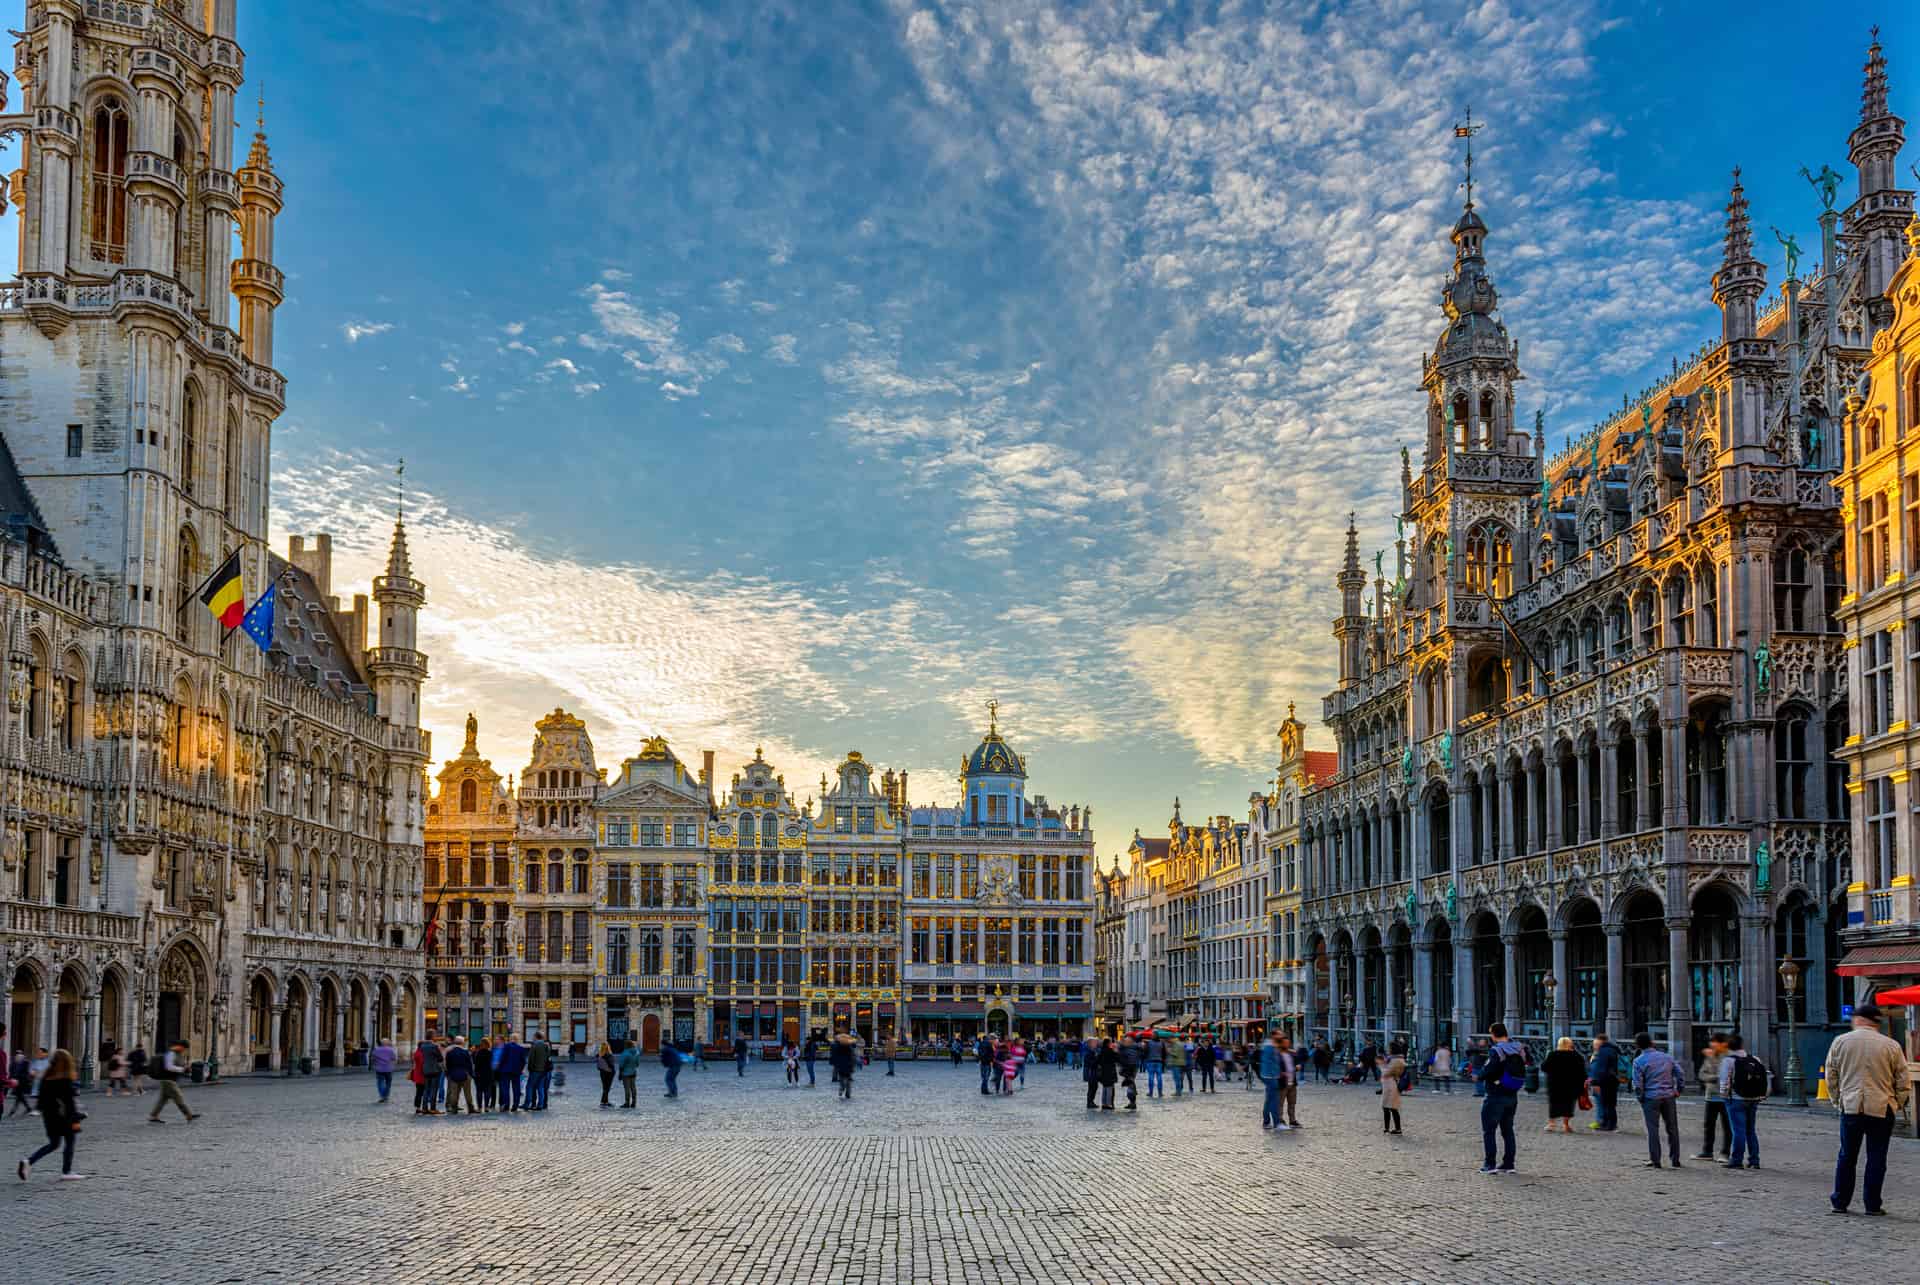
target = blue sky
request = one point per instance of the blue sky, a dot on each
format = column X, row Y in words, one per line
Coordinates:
column 805, row 374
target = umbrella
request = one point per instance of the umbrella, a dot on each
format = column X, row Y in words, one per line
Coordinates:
column 1904, row 995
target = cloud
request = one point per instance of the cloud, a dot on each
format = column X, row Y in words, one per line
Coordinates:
column 675, row 391
column 781, row 349
column 355, row 331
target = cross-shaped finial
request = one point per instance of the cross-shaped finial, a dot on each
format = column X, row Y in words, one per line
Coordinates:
column 260, row 116
column 400, row 490
column 1467, row 130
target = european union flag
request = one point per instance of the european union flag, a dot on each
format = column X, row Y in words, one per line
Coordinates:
column 258, row 622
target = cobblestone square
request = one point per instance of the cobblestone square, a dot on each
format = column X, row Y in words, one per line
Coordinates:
column 918, row 1178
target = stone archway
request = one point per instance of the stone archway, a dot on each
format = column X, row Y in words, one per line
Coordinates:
column 328, row 1035
column 113, row 1015
column 260, row 1022
column 24, row 1004
column 293, row 1026
column 181, row 999
column 69, row 1014
column 356, row 1013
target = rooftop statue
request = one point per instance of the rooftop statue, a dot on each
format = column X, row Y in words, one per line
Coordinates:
column 1792, row 248
column 1826, row 183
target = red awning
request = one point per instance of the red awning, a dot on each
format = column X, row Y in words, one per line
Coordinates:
column 1882, row 959
column 1904, row 995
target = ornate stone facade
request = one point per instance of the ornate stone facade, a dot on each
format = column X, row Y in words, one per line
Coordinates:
column 557, row 887
column 1275, row 816
column 201, row 840
column 853, row 873
column 1585, row 733
column 757, row 910
column 652, row 826
column 1880, row 496
column 999, row 906
column 469, row 887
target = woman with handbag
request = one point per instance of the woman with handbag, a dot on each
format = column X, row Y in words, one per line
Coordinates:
column 1566, row 1073
column 60, row 1114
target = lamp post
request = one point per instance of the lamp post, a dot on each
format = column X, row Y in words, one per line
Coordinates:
column 1406, row 1015
column 1552, row 984
column 1346, row 1014
column 1796, row 1086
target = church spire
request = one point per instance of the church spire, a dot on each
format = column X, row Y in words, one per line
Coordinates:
column 1873, row 94
column 1876, row 220
column 1742, row 278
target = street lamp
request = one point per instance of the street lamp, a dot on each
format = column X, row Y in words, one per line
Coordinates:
column 1552, row 984
column 1790, row 983
column 1406, row 1015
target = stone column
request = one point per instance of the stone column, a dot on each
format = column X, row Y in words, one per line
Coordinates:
column 274, row 1059
column 1673, row 772
column 1510, row 980
column 1583, row 782
column 1679, row 993
column 1361, row 1017
column 1642, row 792
column 1616, row 981
column 1509, row 799
column 1609, row 787
column 1555, row 839
column 1423, row 1033
column 1333, row 994
column 1561, row 1001
column 89, row 1037
column 1390, row 974
column 1465, row 1020
column 1757, row 979
column 339, row 1034
column 1536, row 822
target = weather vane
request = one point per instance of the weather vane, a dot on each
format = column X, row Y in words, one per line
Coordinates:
column 1467, row 130
column 400, row 490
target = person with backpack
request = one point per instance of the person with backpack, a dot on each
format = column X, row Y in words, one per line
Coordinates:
column 1657, row 1082
column 1390, row 1090
column 137, row 1067
column 1743, row 1084
column 171, row 1068
column 1501, row 1078
column 672, row 1059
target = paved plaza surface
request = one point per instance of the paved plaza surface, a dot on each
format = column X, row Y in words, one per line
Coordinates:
column 919, row 1178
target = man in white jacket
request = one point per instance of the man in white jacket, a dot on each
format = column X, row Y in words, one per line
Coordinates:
column 1867, row 1079
column 172, row 1067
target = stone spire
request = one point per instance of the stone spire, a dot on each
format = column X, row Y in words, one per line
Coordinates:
column 1738, row 285
column 1350, row 629
column 1877, row 219
column 399, row 563
column 258, row 156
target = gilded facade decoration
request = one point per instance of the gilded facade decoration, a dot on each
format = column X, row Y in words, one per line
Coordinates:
column 469, row 888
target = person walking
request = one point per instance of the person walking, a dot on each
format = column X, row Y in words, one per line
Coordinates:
column 672, row 1059
column 1743, row 1086
column 1206, row 1059
column 171, row 1068
column 1289, row 1083
column 1566, row 1073
column 603, row 1063
column 459, row 1071
column 1177, row 1062
column 1603, row 1081
column 628, row 1067
column 485, row 1083
column 810, row 1052
column 1500, row 1081
column 382, row 1060
column 539, row 1073
column 890, row 1049
column 137, row 1067
column 790, row 1055
column 842, row 1060
column 1657, row 1082
column 983, row 1052
column 60, row 1116
column 1717, row 1122
column 1440, row 1066
column 1322, row 1060
column 740, row 1051
column 117, row 1074
column 20, row 1077
column 1390, row 1089
column 1867, row 1080
column 953, row 1051
column 1090, row 1075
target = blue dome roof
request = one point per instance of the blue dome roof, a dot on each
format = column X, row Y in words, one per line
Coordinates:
column 993, row 757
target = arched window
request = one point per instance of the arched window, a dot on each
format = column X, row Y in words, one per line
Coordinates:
column 769, row 832
column 469, row 796
column 1619, row 632
column 1679, row 611
column 108, row 198
column 1460, row 419
column 230, row 470
column 186, row 569
column 1500, row 578
column 1706, row 617
column 73, row 685
column 1792, row 766
column 747, row 831
column 181, row 733
column 1476, row 572
column 189, row 439
column 37, row 695
column 1484, row 428
column 1592, row 641
column 1790, row 584
column 183, row 220
column 1436, row 570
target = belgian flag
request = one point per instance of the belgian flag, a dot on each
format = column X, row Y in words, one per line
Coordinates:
column 224, row 595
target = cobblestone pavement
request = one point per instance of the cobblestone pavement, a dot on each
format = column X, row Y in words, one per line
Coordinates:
column 918, row 1179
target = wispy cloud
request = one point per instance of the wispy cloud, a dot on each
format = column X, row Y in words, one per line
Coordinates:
column 355, row 331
